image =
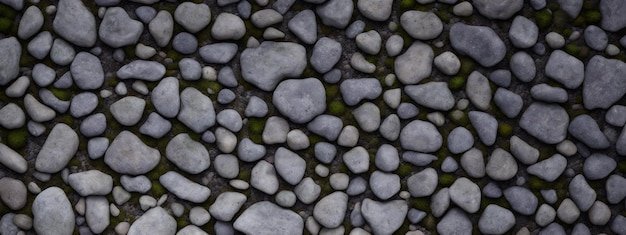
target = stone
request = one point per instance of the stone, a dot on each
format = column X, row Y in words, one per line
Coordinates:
column 545, row 215
column 12, row 193
column 613, row 18
column 145, row 13
column 161, row 27
column 263, row 177
column 327, row 126
column 387, row 158
column 565, row 69
column 228, row 27
column 53, row 201
column 97, row 213
column 355, row 90
column 357, row 160
column 37, row 111
column 418, row 159
column 478, row 90
column 465, row 194
column 18, row 87
column 155, row 126
column 265, row 18
column 367, row 116
column 307, row 191
column 30, row 23
column 616, row 115
column 599, row 214
column 501, row 77
column 384, row 217
column 12, row 116
column 567, row 211
column 455, row 222
column 501, row 165
column 523, row 66
column 127, row 154
column 448, row 63
column 546, row 93
column 267, row 218
column 196, row 110
column 187, row 154
column 420, row 136
column 546, row 122
column 585, row 129
column 10, row 64
column 300, row 100
column 435, row 95
column 499, row 10
column 485, row 125
column 304, row 26
column 91, row 182
column 289, row 166
column 117, row 29
column 376, row 10
column 218, row 53
column 166, row 98
column 581, row 193
column 596, row 38
column 40, row 45
column 143, row 70
column 193, row 17
column 12, row 159
column 384, row 185
column 524, row 152
column 598, row 166
column 421, row 25
column 480, row 43
column 521, row 199
column 473, row 164
column 390, row 127
column 154, row 221
column 496, row 220
column 423, row 183
column 185, row 43
column 359, row 63
column 226, row 205
column 75, row 23
column 602, row 86
column 414, row 64
column 58, row 149
column 394, row 45
column 463, row 9
column 290, row 56
column 523, row 32
column 509, row 102
column 330, row 210
column 335, row 13
column 369, row 42
column 184, row 188
column 87, row 71
column 128, row 110
column 549, row 169
column 326, row 53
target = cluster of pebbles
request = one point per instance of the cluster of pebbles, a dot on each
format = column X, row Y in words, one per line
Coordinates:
column 313, row 116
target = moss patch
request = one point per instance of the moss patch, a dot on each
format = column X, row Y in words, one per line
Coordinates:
column 17, row 138
column 336, row 108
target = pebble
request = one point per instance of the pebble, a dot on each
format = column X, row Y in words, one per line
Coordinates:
column 255, row 220
column 376, row 10
column 549, row 94
column 359, row 63
column 602, row 86
column 13, row 193
column 83, row 104
column 384, row 217
column 387, row 185
column 193, row 17
column 184, row 188
column 390, row 127
column 327, row 126
column 509, row 102
column 143, row 70
column 12, row 159
column 196, row 110
column 546, row 122
column 367, row 116
column 230, row 119
column 18, row 87
column 394, row 44
column 30, row 23
column 555, row 40
column 165, row 97
column 58, row 149
column 187, row 154
column 523, row 32
column 596, row 38
column 263, row 177
column 155, row 126
column 218, row 53
column 91, row 182
column 161, row 27
column 565, row 69
column 154, row 221
column 23, row 221
column 498, row 10
column 289, row 166
column 465, row 194
column 128, row 110
column 53, row 201
column 300, row 100
column 418, row 159
column 455, row 222
column 549, row 169
column 585, row 129
column 421, row 25
column 387, row 158
column 496, row 220
column 523, row 66
column 12, row 116
column 97, row 213
column 567, row 211
column 140, row 184
column 478, row 90
column 449, row 165
column 369, row 42
column 117, row 29
column 75, row 23
column 501, row 77
column 276, row 130
column 331, row 209
column 501, row 165
column 348, row 137
column 545, row 215
column 448, row 63
column 127, row 154
column 598, row 166
column 463, row 9
column 120, row 196
column 353, row 91
column 415, row 64
column 392, row 97
column 185, row 43
column 325, row 152
column 290, row 56
column 521, row 199
column 304, row 26
column 420, row 136
column 480, row 43
column 190, row 69
column 524, row 152
column 581, row 193
column 226, row 140
column 226, row 96
column 357, row 160
column 435, row 95
column 422, row 184
column 40, row 45
column 335, row 13
column 485, row 125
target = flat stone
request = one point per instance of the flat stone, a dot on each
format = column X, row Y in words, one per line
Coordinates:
column 384, row 217
column 598, row 166
column 465, row 194
column 335, row 13
column 421, row 25
column 218, row 53
column 602, row 86
column 161, row 27
column 53, row 201
column 10, row 65
column 307, row 191
column 193, row 17
column 155, row 221
column 473, row 163
column 59, row 148
column 480, row 43
column 523, row 66
column 326, row 53
column 185, row 43
column 414, row 64
column 117, row 29
column 143, row 70
column 369, row 42
column 387, row 158
column 423, row 183
column 97, row 213
column 546, row 93
column 390, row 127
column 524, row 152
column 140, row 184
column 496, row 220
column 13, row 193
column 155, row 126
column 190, row 69
column 521, row 199
column 546, row 122
column 367, row 116
column 91, row 182
column 331, row 209
column 96, row 147
column 509, row 102
column 30, row 23
column 289, row 165
column 230, row 119
column 87, row 71
column 196, row 110
column 187, row 154
column 127, row 154
column 596, row 38
column 549, row 169
column 435, row 95
column 585, row 129
column 523, row 32
column 40, row 45
column 75, row 23
column 128, row 110
column 12, row 116
column 357, row 160
column 567, row 211
column 300, row 100
column 267, row 218
column 384, row 185
column 263, row 177
column 501, row 165
column 485, row 125
column 499, row 10
column 616, row 115
column 581, row 193
column 228, row 27
column 613, row 18
column 145, row 13
column 418, row 159
column 166, row 98
column 455, row 222
column 447, row 62
column 226, row 205
column 304, row 26
column 355, row 90
column 420, row 136
column 184, row 188
column 394, row 45
column 283, row 59
column 478, row 90
column 12, row 159
column 327, row 126
column 615, row 189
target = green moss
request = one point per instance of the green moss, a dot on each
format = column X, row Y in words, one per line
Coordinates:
column 5, row 25
column 244, row 175
column 422, row 204
column 572, row 49
column 407, row 4
column 621, row 166
column 17, row 138
column 256, row 125
column 62, row 94
column 332, row 92
column 543, row 18
column 467, row 66
column 535, row 183
column 456, row 83
column 505, row 130
column 446, row 180
column 404, row 170
column 458, row 117
column 592, row 17
column 336, row 108
column 157, row 189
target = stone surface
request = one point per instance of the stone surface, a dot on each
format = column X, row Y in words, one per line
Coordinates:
column 127, row 154
column 87, row 71
column 300, row 100
column 420, row 136
column 267, row 218
column 75, row 23
column 496, row 220
column 117, row 29
column 546, row 122
column 465, row 194
column 53, row 201
column 282, row 59
column 414, row 64
column 384, row 217
column 435, row 95
column 479, row 42
column 187, row 154
column 154, row 221
column 421, row 25
column 500, row 9
column 91, row 182
column 59, row 148
column 602, row 86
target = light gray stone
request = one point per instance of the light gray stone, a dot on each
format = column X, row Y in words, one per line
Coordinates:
column 75, row 23
column 327, row 126
column 161, row 27
column 414, row 64
column 127, row 154
column 585, row 129
column 196, row 110
column 59, row 148
column 226, row 205
column 184, row 188
column 613, row 18
column 499, row 10
column 521, row 199
column 300, row 100
column 30, row 23
column 228, row 27
column 330, row 210
column 421, row 25
column 187, row 154
column 117, row 29
column 523, row 32
column 9, row 66
column 91, row 182
column 263, row 177
column 501, row 165
column 335, row 13
column 385, row 185
column 155, row 126
column 602, row 85
column 546, row 122
column 193, row 17
column 423, row 183
column 267, row 218
column 155, row 221
column 289, row 165
column 496, row 220
column 549, row 169
column 384, row 217
column 420, row 136
column 465, row 194
column 283, row 59
column 435, row 95
column 143, row 70
column 480, row 43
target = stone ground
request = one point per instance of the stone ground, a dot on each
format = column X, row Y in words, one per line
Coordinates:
column 314, row 116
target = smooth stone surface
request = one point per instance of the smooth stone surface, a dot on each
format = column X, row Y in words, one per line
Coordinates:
column 127, row 154
column 546, row 122
column 423, row 183
column 12, row 116
column 59, row 148
column 12, row 159
column 87, row 71
column 128, row 110
column 97, row 213
column 326, row 53
column 304, row 26
column 521, row 199
column 283, row 59
column 357, row 160
column 499, row 9
column 9, row 66
column 187, row 154
column 354, row 91
column 155, row 221
column 496, row 220
column 509, row 102
column 13, row 193
column 226, row 205
column 479, row 42
column 143, row 70
column 30, row 23
column 414, row 64
column 421, row 25
column 523, row 32
column 193, row 17
column 300, row 100
column 263, row 177
column 53, row 201
column 478, row 90
column 384, row 217
column 196, row 110
column 218, row 53
column 485, row 125
column 585, row 129
column 435, row 95
column 75, row 23
column 335, row 13
column 501, row 165
column 117, row 29
column 289, row 166
column 91, row 182
column 330, row 210
column 598, row 166
column 455, row 222
column 184, row 188
column 155, row 126
column 549, row 169
column 581, row 193
column 465, row 194
column 267, row 218
column 385, row 185
column 613, row 18
column 420, row 136
column 602, row 85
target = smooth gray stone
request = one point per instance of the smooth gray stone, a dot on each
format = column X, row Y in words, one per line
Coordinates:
column 37, row 111
column 60, row 146
column 62, row 53
column 187, row 154
column 325, row 152
column 327, row 126
column 281, row 6
column 492, row 190
column 30, row 23
column 354, row 91
column 335, row 13
column 466, row 194
column 87, row 71
column 485, row 125
column 523, row 32
column 307, row 191
column 12, row 159
column 226, row 77
column 613, row 17
column 598, row 166
column 218, row 53
column 107, row 2
column 83, row 104
column 440, row 202
column 357, row 186
column 498, row 9
column 501, row 77
column 10, row 64
column 226, row 165
column 435, row 95
column 128, row 110
column 357, row 160
column 91, row 182
column 422, row 184
column 140, row 184
column 603, row 85
column 93, row 125
column 155, row 126
column 226, row 205
column 616, row 115
column 13, row 193
column 304, row 26
column 127, row 154
column 117, row 29
column 549, row 169
column 150, row 71
column 523, row 66
column 521, row 199
column 275, row 130
column 331, row 209
column 549, row 195
column 449, row 165
column 585, row 129
column 553, row 229
column 580, row 229
column 615, row 188
column 376, row 10
column 43, row 75
column 596, row 38
column 415, row 64
column 161, row 27
column 184, row 188
column 97, row 213
column 572, row 7
column 193, row 17
column 145, row 13
column 455, row 222
column 282, row 59
column 289, row 165
column 230, row 119
column 226, row 96
column 190, row 69
column 263, row 177
column 64, row 82
column 565, row 69
column 228, row 27
column 40, row 45
column 7, row 226
column 581, row 193
column 387, row 158
column 549, row 94
column 418, row 159
column 12, row 116
column 421, row 25
column 480, row 43
column 256, row 107
column 460, row 140
column 355, row 29
column 415, row 216
column 407, row 110
column 96, row 147
column 546, row 122
column 385, row 185
column 501, row 165
column 165, row 97
column 509, row 102
column 300, row 100
column 48, row 98
column 326, row 53
column 367, row 116
column 390, row 127
column 266, row 218
column 53, row 201
column 478, row 90
column 384, row 217
column 155, row 221
column 265, row 18
column 75, row 23
column 420, row 136
column 496, row 220
column 185, row 43
column 196, row 110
